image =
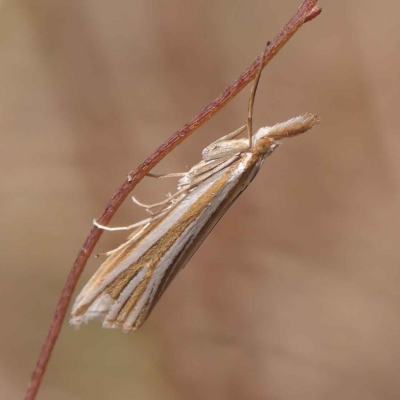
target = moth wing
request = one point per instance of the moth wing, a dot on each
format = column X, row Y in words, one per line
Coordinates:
column 115, row 287
column 129, row 283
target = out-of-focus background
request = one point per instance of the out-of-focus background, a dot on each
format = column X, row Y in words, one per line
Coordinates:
column 295, row 293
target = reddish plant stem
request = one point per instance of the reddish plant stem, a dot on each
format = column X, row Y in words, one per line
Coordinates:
column 307, row 11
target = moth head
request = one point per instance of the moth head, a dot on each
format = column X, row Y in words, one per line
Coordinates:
column 265, row 145
column 267, row 139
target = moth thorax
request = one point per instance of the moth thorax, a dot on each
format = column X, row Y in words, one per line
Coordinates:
column 265, row 145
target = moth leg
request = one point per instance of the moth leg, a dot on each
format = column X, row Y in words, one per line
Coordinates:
column 148, row 207
column 169, row 199
column 129, row 227
column 131, row 239
column 136, row 201
column 231, row 135
column 166, row 201
column 162, row 176
column 196, row 179
column 134, row 235
column 110, row 252
column 145, row 206
column 225, row 146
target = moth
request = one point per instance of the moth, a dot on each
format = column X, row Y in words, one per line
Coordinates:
column 127, row 286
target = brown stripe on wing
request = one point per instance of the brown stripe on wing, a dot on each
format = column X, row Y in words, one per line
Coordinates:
column 252, row 166
column 153, row 255
column 181, row 259
column 108, row 266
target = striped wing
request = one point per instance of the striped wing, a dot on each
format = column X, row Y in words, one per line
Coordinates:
column 128, row 284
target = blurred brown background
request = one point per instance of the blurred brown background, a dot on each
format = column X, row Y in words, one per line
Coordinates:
column 295, row 294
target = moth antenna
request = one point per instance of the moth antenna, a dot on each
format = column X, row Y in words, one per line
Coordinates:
column 251, row 99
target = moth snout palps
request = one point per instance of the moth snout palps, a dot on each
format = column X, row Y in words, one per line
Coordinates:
column 126, row 287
